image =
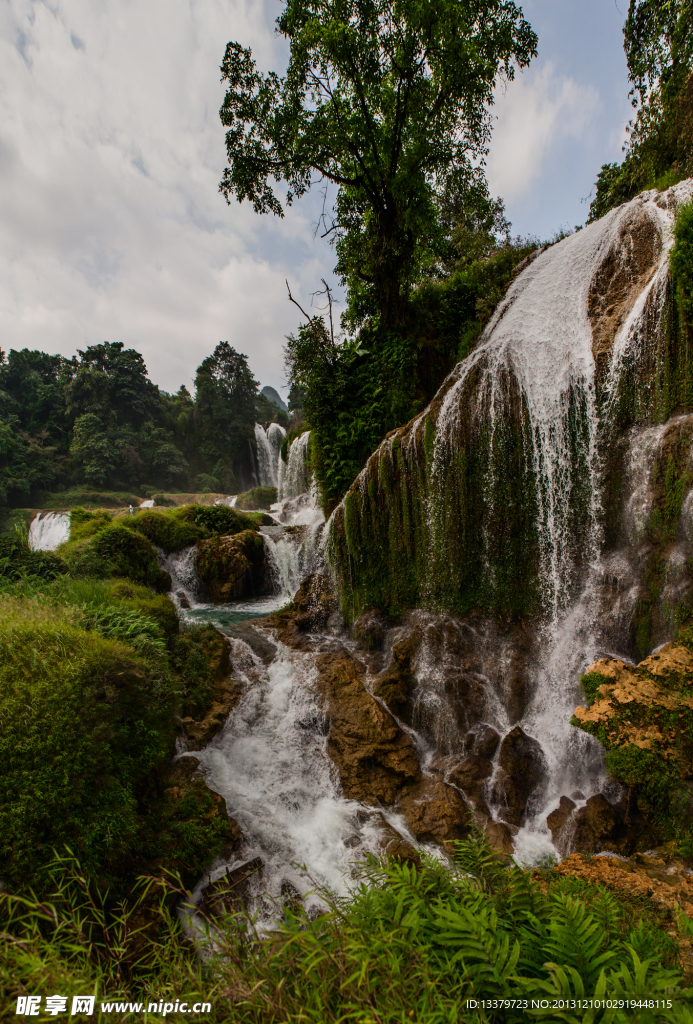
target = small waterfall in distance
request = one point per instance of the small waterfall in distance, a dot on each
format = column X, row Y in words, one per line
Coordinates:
column 269, row 444
column 48, row 531
column 294, row 476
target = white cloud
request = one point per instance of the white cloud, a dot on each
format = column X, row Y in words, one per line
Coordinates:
column 537, row 112
column 111, row 225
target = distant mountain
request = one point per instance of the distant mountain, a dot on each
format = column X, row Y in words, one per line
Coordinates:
column 273, row 397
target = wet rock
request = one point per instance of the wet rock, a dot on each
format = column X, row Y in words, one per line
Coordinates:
column 436, row 812
column 471, row 774
column 557, row 818
column 522, row 773
column 596, row 824
column 370, row 629
column 396, row 846
column 231, row 894
column 226, row 696
column 258, row 643
column 233, row 567
column 374, row 757
column 484, row 742
column 498, row 835
column 182, row 599
column 397, row 683
column 312, row 607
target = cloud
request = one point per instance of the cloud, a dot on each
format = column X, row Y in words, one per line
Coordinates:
column 111, row 224
column 537, row 112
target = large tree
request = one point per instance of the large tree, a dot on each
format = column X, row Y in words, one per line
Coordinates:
column 389, row 101
column 658, row 40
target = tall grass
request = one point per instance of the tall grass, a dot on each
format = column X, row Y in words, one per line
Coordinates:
column 410, row 944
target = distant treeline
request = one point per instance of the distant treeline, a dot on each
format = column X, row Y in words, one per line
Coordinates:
column 96, row 420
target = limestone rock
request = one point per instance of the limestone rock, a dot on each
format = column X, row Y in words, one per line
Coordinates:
column 233, row 567
column 232, row 892
column 484, row 742
column 370, row 629
column 522, row 773
column 557, row 818
column 435, row 812
column 471, row 774
column 226, row 697
column 374, row 757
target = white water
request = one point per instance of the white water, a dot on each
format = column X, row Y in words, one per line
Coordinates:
column 48, row 531
column 183, row 571
column 269, row 445
column 270, row 764
column 293, row 474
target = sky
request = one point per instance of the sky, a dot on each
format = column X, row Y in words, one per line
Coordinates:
column 111, row 151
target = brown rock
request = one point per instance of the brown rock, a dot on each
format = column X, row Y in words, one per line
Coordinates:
column 484, row 742
column 471, row 774
column 595, row 824
column 396, row 685
column 522, row 773
column 618, row 281
column 374, row 757
column 232, row 567
column 226, row 697
column 557, row 819
column 370, row 630
column 436, row 812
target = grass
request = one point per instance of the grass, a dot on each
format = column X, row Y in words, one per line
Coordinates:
column 412, row 943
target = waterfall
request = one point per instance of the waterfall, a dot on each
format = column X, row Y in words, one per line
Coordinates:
column 269, row 443
column 294, row 553
column 48, row 531
column 293, row 474
column 185, row 583
column 270, row 764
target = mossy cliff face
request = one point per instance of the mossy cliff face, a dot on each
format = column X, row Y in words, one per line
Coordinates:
column 499, row 496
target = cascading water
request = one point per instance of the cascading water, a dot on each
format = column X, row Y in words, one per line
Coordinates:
column 294, row 476
column 48, row 531
column 270, row 764
column 534, row 368
column 269, row 445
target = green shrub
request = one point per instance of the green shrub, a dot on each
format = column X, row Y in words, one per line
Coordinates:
column 257, row 498
column 84, row 524
column 167, row 530
column 117, row 551
column 84, row 721
column 18, row 561
column 218, row 519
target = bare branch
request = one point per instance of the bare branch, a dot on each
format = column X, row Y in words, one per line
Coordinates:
column 292, row 299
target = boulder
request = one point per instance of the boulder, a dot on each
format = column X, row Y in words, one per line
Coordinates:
column 522, row 773
column 233, row 566
column 374, row 757
column 370, row 629
column 557, row 818
column 397, row 683
column 436, row 812
column 471, row 774
column 226, row 696
column 231, row 893
column 484, row 741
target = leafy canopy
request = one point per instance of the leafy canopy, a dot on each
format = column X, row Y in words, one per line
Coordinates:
column 390, row 102
column 658, row 40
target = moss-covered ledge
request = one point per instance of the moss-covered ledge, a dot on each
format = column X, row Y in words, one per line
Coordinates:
column 643, row 717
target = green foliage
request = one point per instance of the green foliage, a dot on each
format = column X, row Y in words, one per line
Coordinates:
column 386, row 954
column 681, row 261
column 658, row 40
column 225, row 406
column 391, row 105
column 218, row 519
column 17, row 561
column 83, row 724
column 257, row 498
column 116, row 550
column 355, row 393
column 171, row 531
column 97, row 428
column 590, row 683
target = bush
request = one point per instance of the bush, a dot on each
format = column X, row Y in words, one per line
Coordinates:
column 18, row 561
column 257, row 498
column 84, row 722
column 410, row 944
column 117, row 551
column 167, row 530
